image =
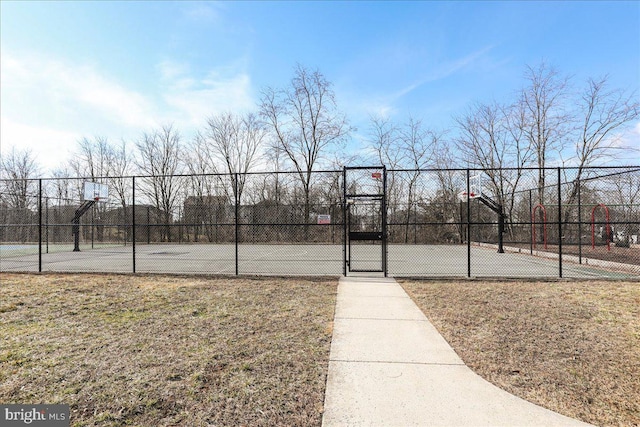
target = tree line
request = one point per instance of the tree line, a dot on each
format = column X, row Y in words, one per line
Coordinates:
column 300, row 128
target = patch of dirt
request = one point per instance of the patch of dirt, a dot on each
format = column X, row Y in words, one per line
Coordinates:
column 573, row 347
column 165, row 351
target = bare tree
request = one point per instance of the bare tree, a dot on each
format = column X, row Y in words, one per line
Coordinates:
column 384, row 138
column 306, row 123
column 18, row 194
column 601, row 112
column 545, row 122
column 61, row 187
column 100, row 161
column 491, row 138
column 200, row 164
column 451, row 182
column 18, row 169
column 385, row 141
column 234, row 142
column 202, row 208
column 159, row 159
column 120, row 166
column 92, row 160
column 485, row 143
column 417, row 143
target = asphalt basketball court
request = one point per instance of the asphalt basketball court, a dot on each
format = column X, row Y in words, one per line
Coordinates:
column 403, row 260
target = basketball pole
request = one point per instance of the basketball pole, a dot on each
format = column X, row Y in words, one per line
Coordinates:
column 76, row 223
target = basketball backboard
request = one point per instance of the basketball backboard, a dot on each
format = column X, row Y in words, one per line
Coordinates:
column 475, row 188
column 96, row 192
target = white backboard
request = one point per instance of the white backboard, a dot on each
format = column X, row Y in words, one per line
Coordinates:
column 476, row 188
column 96, row 192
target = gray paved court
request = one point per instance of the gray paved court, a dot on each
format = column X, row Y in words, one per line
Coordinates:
column 403, row 260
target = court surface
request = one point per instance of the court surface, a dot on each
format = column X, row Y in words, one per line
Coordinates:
column 403, row 260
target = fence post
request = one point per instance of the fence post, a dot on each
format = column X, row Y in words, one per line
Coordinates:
column 559, row 223
column 149, row 224
column 344, row 221
column 46, row 226
column 40, row 225
column 579, row 224
column 93, row 225
column 385, row 252
column 235, row 193
column 133, row 221
column 531, row 230
column 468, row 224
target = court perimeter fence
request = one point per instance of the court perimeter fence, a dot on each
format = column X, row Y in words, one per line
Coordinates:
column 286, row 223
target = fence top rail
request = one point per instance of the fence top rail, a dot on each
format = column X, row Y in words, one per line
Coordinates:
column 628, row 169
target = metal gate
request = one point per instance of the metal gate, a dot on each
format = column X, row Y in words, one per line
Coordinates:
column 365, row 219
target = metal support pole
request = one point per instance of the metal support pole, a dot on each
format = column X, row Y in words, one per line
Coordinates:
column 461, row 203
column 531, row 242
column 468, row 224
column 133, row 221
column 559, row 223
column 93, row 225
column 149, row 225
column 76, row 233
column 384, row 221
column 235, row 193
column 500, row 231
column 46, row 219
column 579, row 224
column 415, row 224
column 40, row 225
column 344, row 221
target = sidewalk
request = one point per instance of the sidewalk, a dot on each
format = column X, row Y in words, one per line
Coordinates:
column 390, row 367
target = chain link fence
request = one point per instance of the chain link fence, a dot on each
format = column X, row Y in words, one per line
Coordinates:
column 555, row 222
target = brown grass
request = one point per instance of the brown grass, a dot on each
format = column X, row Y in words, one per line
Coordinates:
column 158, row 351
column 571, row 347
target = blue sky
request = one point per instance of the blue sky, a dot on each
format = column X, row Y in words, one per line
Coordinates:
column 116, row 69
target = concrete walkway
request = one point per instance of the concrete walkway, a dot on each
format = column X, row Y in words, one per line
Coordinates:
column 390, row 367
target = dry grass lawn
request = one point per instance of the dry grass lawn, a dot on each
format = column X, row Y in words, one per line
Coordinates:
column 573, row 347
column 197, row 351
column 165, row 351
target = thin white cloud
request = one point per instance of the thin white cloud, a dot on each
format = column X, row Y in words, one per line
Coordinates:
column 49, row 102
column 49, row 146
column 170, row 70
column 370, row 107
column 622, row 148
column 628, row 143
column 386, row 104
column 209, row 13
column 445, row 70
column 121, row 105
column 68, row 94
column 194, row 99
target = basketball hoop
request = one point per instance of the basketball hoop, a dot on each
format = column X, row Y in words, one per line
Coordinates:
column 462, row 196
